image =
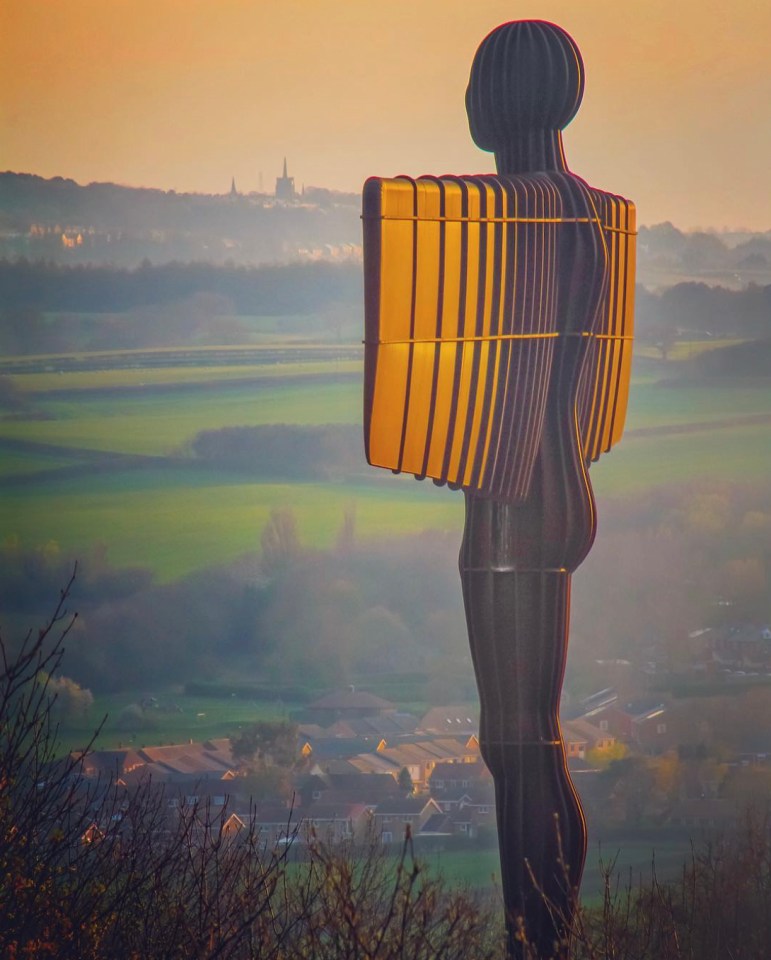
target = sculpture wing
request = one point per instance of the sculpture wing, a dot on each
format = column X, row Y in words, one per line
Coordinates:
column 602, row 402
column 460, row 318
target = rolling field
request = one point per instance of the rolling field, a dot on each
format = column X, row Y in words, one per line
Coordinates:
column 734, row 452
column 652, row 404
column 99, row 456
column 177, row 521
column 159, row 422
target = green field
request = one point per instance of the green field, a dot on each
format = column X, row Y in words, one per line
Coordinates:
column 139, row 377
column 95, row 457
column 158, row 423
column 732, row 453
column 652, row 404
column 480, row 869
column 177, row 521
column 177, row 719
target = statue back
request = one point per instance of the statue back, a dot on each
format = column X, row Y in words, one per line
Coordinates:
column 470, row 283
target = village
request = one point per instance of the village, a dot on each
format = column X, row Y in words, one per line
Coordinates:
column 362, row 767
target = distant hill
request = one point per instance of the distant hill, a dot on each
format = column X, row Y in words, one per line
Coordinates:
column 667, row 256
column 26, row 199
column 60, row 220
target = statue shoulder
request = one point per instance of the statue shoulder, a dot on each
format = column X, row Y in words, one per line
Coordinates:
column 614, row 211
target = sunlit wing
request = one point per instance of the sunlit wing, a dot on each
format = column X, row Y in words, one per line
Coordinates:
column 460, row 317
column 603, row 399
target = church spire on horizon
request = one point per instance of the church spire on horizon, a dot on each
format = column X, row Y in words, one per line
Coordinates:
column 285, row 186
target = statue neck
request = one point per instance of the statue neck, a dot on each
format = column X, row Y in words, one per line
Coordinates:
column 532, row 151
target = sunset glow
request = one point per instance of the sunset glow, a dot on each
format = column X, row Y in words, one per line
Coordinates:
column 184, row 94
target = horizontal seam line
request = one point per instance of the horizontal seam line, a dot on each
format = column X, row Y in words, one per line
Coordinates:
column 523, row 743
column 556, row 220
column 500, row 336
column 515, row 570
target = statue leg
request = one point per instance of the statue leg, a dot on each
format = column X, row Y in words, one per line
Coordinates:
column 518, row 628
column 542, row 844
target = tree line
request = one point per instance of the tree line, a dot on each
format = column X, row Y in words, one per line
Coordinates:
column 269, row 289
column 283, row 450
column 696, row 311
column 173, row 302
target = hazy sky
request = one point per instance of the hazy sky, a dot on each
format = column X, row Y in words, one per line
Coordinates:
column 184, row 94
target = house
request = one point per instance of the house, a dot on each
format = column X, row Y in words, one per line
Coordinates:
column 708, row 813
column 322, row 786
column 418, row 757
column 580, row 736
column 347, row 705
column 391, row 725
column 466, row 793
column 451, row 801
column 93, row 834
column 744, row 646
column 450, row 781
column 593, row 704
column 575, row 743
column 323, row 749
column 472, row 817
column 373, row 763
column 437, row 825
column 234, row 826
column 108, row 764
column 391, row 819
column 201, row 775
column 336, row 822
column 212, row 759
column 455, row 720
column 652, row 729
column 273, row 823
column 643, row 723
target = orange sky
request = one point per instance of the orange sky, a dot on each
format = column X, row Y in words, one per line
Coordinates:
column 184, row 94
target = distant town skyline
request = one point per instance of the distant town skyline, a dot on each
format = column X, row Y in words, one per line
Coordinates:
column 186, row 95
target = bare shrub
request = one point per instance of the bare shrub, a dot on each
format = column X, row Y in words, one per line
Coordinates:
column 91, row 871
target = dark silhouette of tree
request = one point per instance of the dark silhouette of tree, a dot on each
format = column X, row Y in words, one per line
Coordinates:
column 405, row 781
column 266, row 743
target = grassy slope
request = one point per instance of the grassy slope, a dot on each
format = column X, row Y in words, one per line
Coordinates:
column 142, row 511
column 160, row 423
column 145, row 518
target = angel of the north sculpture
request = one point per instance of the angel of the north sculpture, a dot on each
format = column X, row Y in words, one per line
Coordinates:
column 498, row 344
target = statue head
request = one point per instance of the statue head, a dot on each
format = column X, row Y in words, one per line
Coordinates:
column 527, row 76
